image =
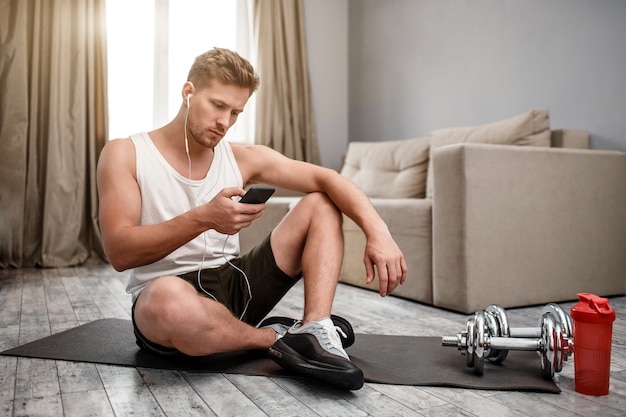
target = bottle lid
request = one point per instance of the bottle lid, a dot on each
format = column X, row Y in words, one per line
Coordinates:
column 592, row 309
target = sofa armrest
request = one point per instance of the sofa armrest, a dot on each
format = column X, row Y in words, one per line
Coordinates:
column 409, row 221
column 277, row 208
column 524, row 225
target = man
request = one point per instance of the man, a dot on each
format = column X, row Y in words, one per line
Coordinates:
column 169, row 211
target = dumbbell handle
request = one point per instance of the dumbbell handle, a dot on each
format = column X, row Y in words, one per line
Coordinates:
column 525, row 332
column 494, row 342
column 513, row 343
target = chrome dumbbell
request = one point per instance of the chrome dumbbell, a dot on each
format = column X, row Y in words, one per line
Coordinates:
column 497, row 322
column 553, row 345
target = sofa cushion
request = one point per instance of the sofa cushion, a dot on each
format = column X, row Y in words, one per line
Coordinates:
column 388, row 169
column 528, row 129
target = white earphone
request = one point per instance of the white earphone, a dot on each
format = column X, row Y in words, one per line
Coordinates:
column 186, row 141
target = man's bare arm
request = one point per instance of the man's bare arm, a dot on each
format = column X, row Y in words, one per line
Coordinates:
column 129, row 244
column 263, row 165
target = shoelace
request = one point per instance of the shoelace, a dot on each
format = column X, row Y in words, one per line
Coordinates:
column 341, row 332
column 332, row 339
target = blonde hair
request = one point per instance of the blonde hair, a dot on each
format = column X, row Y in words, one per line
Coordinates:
column 224, row 65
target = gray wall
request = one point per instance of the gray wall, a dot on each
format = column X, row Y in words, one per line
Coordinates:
column 419, row 65
column 326, row 23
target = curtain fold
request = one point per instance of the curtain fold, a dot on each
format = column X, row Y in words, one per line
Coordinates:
column 53, row 125
column 284, row 114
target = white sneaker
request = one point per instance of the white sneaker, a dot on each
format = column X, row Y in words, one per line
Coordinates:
column 326, row 333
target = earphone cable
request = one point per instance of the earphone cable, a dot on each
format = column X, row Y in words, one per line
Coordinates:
column 205, row 239
column 245, row 276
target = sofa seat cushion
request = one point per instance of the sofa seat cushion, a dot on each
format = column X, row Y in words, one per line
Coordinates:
column 388, row 169
column 527, row 129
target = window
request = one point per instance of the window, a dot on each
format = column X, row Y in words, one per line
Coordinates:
column 151, row 46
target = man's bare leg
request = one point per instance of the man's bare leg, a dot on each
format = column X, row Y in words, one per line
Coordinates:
column 310, row 239
column 312, row 233
column 170, row 312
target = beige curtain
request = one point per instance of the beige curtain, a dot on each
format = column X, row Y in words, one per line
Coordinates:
column 284, row 115
column 53, row 124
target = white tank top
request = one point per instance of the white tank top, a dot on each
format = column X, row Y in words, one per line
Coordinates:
column 166, row 194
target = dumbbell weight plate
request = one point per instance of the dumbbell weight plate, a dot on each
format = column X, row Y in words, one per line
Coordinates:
column 470, row 334
column 552, row 337
column 497, row 322
column 478, row 341
column 561, row 316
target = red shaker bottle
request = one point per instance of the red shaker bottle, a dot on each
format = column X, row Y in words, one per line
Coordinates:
column 593, row 320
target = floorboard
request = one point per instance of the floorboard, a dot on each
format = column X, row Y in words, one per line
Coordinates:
column 35, row 303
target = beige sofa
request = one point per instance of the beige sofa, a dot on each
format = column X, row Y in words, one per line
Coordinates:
column 511, row 212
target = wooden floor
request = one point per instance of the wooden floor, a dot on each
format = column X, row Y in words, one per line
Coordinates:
column 35, row 303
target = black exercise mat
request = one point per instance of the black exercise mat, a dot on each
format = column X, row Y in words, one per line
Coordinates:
column 415, row 360
column 400, row 360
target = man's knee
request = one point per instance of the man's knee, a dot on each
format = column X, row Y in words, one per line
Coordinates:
column 320, row 205
column 161, row 301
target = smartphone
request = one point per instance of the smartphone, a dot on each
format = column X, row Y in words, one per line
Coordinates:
column 257, row 195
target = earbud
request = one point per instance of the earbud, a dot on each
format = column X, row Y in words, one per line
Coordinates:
column 188, row 97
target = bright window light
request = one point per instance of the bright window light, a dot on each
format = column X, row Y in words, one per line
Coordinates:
column 130, row 46
column 195, row 27
column 151, row 46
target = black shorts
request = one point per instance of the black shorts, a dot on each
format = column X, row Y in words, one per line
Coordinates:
column 227, row 285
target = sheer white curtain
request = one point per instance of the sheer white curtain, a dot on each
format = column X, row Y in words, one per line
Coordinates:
column 284, row 113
